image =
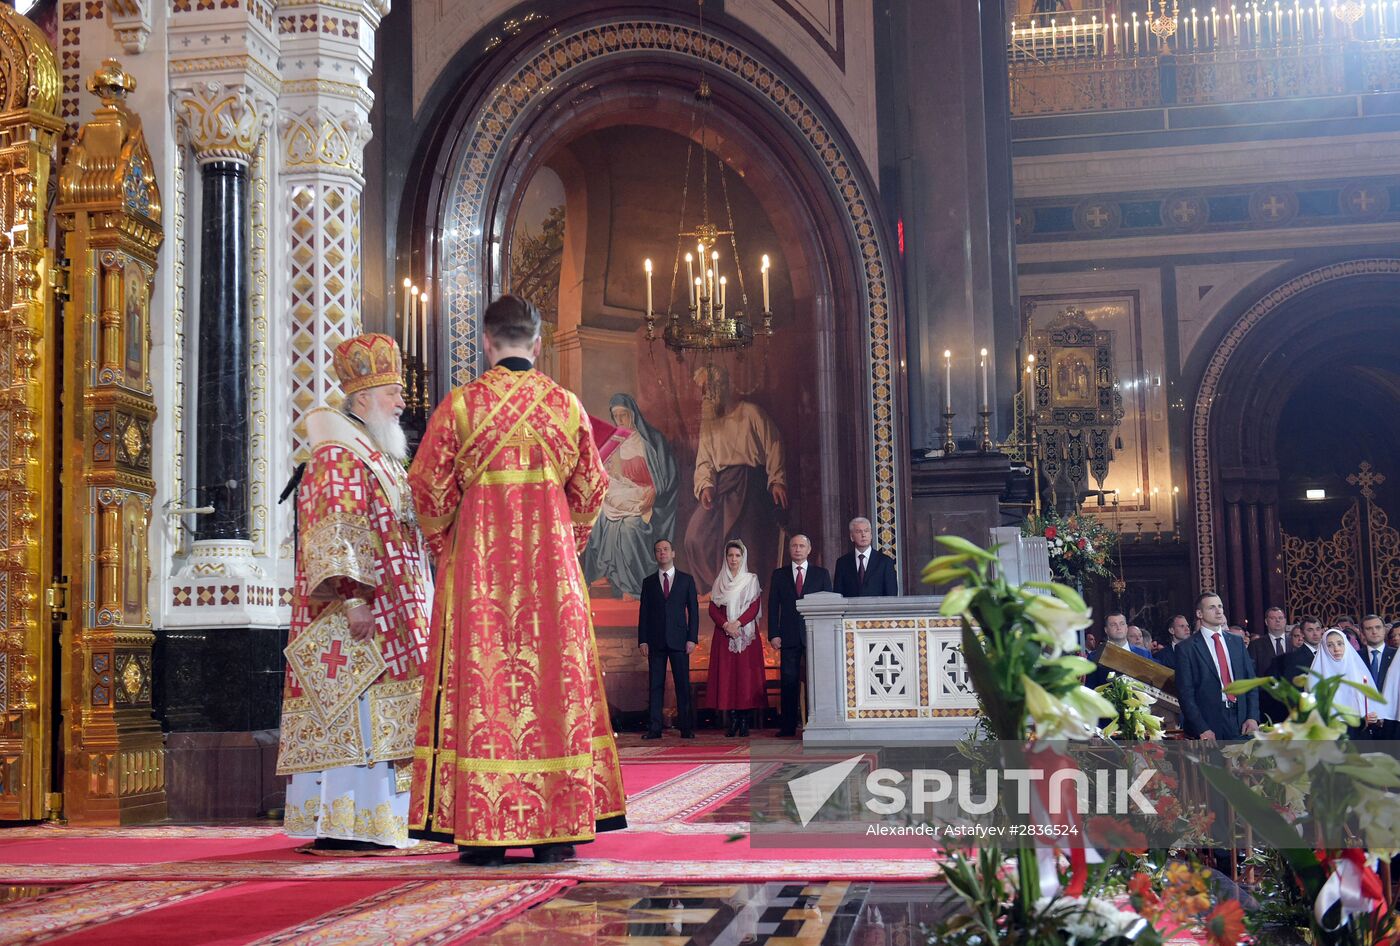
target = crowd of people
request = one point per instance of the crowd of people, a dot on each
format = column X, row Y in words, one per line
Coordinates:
column 1209, row 652
column 668, row 628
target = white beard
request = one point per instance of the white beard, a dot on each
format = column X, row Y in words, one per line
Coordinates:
column 388, row 436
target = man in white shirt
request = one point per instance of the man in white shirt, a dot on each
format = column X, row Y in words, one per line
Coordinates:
column 864, row 571
column 1269, row 651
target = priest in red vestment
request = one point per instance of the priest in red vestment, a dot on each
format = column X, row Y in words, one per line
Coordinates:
column 352, row 689
column 514, row 744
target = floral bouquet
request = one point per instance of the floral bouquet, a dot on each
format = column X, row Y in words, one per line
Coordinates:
column 1079, row 545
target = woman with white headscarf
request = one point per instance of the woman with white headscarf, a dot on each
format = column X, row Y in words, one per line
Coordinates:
column 736, row 680
column 1337, row 658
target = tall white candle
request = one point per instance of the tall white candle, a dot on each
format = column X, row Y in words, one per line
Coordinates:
column 947, row 381
column 423, row 324
column 696, row 286
column 647, row 265
column 723, row 295
column 984, row 379
column 410, row 318
column 405, row 315
column 766, row 307
column 690, row 278
column 1176, row 517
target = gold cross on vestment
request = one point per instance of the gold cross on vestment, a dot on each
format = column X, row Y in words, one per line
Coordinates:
column 1366, row 478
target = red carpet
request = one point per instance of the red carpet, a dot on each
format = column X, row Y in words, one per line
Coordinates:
column 688, row 823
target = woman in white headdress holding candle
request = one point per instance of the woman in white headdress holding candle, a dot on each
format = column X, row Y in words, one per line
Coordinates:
column 736, row 680
column 1337, row 658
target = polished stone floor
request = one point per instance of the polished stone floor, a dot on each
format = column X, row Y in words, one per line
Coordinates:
column 775, row 914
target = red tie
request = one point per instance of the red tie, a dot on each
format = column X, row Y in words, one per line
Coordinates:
column 1224, row 661
column 665, row 586
column 800, row 570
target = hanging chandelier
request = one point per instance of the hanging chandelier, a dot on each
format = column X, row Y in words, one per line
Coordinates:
column 706, row 321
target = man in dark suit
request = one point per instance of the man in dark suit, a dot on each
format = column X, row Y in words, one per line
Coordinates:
column 1377, row 656
column 1269, row 651
column 668, row 628
column 1178, row 630
column 865, row 572
column 787, row 630
column 1300, row 659
column 1115, row 631
column 1206, row 663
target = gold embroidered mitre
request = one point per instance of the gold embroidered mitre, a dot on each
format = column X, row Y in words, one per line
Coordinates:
column 368, row 361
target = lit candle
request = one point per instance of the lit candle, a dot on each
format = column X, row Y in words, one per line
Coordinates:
column 710, row 290
column 690, row 277
column 984, row 380
column 947, row 381
column 714, row 283
column 646, row 264
column 1176, row 518
column 404, row 312
column 723, row 294
column 766, row 307
column 423, row 324
column 412, row 331
column 696, row 287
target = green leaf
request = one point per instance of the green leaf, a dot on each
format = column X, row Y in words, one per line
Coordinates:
column 1366, row 688
column 1271, row 827
column 1005, row 716
column 1369, row 775
column 960, row 544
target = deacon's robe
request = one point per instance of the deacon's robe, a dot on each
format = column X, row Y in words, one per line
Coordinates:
column 514, row 744
column 356, row 538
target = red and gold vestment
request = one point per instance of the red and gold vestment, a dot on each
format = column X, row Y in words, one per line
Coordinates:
column 514, row 744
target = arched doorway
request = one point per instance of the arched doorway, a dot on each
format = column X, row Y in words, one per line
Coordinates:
column 1283, row 407
column 601, row 70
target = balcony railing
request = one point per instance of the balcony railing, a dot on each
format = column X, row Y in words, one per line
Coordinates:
column 1258, row 51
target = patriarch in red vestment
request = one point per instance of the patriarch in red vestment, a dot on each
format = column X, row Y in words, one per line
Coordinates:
column 514, row 744
column 348, row 710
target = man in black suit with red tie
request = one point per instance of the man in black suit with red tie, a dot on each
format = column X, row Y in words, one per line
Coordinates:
column 1206, row 663
column 668, row 628
column 787, row 630
column 864, row 572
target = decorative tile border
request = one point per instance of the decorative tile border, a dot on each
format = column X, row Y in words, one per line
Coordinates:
column 526, row 90
column 1232, row 209
column 1210, row 384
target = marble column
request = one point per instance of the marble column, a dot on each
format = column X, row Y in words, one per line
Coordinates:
column 945, row 177
column 221, row 372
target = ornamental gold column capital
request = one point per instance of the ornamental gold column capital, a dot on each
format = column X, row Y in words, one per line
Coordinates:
column 324, row 138
column 223, row 121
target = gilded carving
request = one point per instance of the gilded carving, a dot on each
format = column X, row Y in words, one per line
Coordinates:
column 109, row 213
column 29, row 130
column 1323, row 575
column 224, row 121
column 321, row 138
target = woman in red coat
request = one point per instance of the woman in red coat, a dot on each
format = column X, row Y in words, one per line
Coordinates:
column 736, row 655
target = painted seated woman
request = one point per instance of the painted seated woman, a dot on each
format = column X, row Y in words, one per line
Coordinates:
column 736, row 681
column 639, row 507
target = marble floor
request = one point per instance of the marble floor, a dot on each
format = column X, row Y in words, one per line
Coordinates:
column 775, row 914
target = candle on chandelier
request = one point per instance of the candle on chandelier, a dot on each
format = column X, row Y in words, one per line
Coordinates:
column 646, row 264
column 947, row 381
column 405, row 313
column 723, row 294
column 714, row 283
column 710, row 292
column 696, row 285
column 1176, row 518
column 690, row 277
column 409, row 318
column 766, row 307
column 984, row 380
